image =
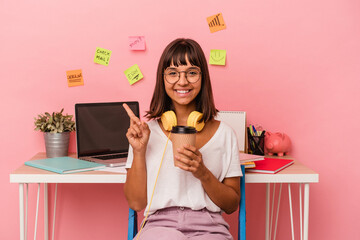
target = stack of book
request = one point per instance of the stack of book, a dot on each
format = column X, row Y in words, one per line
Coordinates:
column 271, row 165
column 261, row 164
column 248, row 160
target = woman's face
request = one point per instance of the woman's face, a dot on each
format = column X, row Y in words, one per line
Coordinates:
column 182, row 92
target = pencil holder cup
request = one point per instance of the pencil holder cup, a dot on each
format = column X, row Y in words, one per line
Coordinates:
column 255, row 143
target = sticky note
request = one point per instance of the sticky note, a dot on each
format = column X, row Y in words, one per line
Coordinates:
column 102, row 56
column 74, row 78
column 133, row 74
column 216, row 22
column 137, row 43
column 217, row 57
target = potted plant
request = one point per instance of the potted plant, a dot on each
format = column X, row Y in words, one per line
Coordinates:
column 56, row 128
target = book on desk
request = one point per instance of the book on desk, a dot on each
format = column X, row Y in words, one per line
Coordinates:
column 270, row 165
column 64, row 165
column 248, row 160
column 245, row 157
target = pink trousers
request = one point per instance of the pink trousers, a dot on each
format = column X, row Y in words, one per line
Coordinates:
column 178, row 223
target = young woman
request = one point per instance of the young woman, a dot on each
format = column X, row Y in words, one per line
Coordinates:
column 189, row 198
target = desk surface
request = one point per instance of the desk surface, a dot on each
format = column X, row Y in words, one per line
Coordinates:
column 296, row 173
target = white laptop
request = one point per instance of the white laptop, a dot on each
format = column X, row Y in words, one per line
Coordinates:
column 101, row 132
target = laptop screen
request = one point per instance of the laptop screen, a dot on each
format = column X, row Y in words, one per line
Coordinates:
column 101, row 127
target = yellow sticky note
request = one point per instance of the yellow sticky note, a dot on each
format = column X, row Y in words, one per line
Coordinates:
column 217, row 57
column 216, row 22
column 74, row 78
column 102, row 56
column 133, row 74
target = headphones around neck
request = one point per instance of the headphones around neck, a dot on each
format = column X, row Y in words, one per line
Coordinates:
column 169, row 120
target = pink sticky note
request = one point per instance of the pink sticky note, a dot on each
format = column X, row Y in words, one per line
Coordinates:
column 137, row 43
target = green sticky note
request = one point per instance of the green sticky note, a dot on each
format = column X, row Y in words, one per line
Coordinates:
column 133, row 74
column 217, row 57
column 102, row 56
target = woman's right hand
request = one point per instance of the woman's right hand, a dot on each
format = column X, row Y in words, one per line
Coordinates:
column 138, row 132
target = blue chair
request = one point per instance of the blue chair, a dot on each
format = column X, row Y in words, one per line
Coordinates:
column 132, row 224
column 133, row 228
column 242, row 209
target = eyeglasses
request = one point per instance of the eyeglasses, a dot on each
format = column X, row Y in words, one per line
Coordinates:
column 192, row 75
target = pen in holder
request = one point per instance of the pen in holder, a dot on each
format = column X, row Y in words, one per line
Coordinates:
column 256, row 143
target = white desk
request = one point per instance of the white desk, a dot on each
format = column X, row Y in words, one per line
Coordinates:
column 296, row 173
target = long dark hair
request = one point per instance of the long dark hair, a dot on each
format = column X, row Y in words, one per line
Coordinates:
column 176, row 53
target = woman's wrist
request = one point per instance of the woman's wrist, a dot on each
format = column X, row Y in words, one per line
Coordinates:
column 206, row 176
column 139, row 153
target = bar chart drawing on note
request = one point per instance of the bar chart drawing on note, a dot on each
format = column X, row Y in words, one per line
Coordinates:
column 216, row 22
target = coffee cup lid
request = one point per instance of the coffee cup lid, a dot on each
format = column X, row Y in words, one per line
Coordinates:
column 183, row 129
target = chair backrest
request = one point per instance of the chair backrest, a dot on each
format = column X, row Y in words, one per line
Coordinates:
column 242, row 208
column 133, row 224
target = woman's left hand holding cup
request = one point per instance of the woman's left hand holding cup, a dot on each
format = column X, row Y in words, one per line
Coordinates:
column 194, row 164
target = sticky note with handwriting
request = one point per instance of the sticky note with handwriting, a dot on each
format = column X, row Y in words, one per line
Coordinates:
column 217, row 57
column 137, row 43
column 133, row 74
column 216, row 22
column 102, row 56
column 74, row 78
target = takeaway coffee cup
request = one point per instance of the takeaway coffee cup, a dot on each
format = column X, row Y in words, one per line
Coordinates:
column 181, row 135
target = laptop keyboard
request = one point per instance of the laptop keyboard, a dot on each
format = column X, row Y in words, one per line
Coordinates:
column 107, row 157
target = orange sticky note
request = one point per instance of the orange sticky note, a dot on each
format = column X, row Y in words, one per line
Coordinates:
column 74, row 78
column 216, row 22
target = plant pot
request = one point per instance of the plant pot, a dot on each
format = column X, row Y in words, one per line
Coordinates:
column 57, row 144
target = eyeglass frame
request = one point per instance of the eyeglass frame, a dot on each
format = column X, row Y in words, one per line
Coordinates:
column 185, row 75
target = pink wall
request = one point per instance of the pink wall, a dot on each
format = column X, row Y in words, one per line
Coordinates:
column 293, row 66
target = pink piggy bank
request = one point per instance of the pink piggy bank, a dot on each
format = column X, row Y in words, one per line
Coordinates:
column 278, row 143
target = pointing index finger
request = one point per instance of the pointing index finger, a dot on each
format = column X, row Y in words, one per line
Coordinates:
column 128, row 110
column 131, row 114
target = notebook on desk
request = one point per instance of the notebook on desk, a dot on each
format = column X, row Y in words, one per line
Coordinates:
column 271, row 165
column 101, row 132
column 237, row 121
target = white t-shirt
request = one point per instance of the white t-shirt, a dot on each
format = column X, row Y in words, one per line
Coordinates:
column 176, row 187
